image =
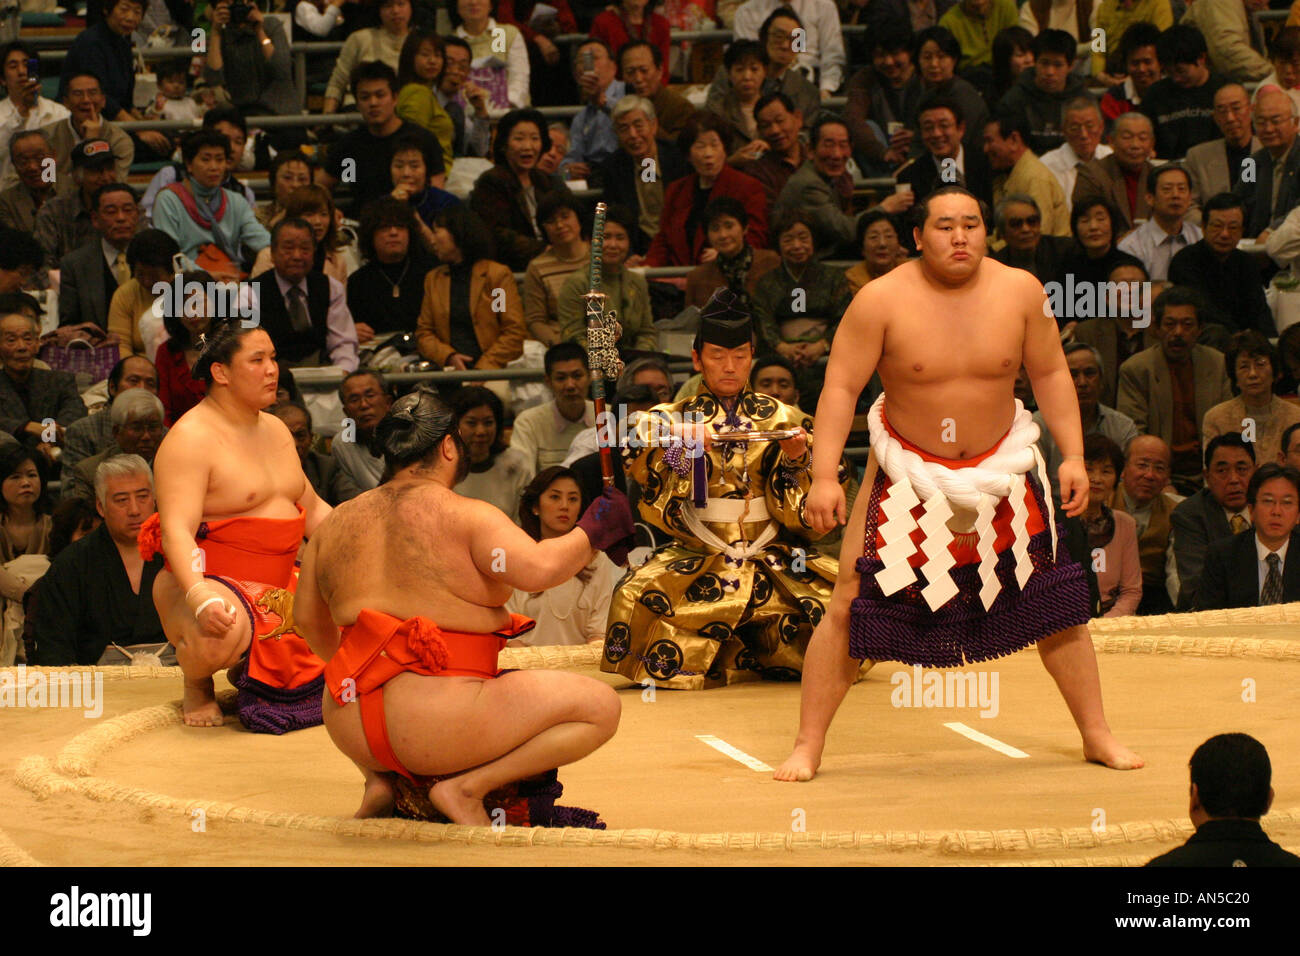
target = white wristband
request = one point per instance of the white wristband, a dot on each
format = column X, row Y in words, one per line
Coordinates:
column 212, row 600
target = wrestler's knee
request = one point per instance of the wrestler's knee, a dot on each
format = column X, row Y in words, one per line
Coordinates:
column 603, row 708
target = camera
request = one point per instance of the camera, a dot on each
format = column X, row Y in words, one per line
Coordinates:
column 239, row 13
column 33, row 68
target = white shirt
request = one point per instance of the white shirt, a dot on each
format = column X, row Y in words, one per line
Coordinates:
column 316, row 23
column 1064, row 163
column 1261, row 552
column 43, row 113
column 824, row 43
column 571, row 612
column 1156, row 248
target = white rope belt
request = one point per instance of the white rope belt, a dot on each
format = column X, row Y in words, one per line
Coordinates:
column 692, row 516
column 915, row 481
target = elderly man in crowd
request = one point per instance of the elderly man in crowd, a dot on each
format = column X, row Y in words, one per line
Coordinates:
column 366, row 399
column 1108, row 178
column 137, row 419
column 1168, row 231
column 779, row 123
column 636, row 174
column 65, row 224
column 94, row 433
column 85, row 100
column 36, row 404
column 1216, row 166
column 1141, row 492
column 642, row 66
column 1018, row 170
column 92, row 273
column 332, row 484
column 591, row 134
column 1084, row 126
column 1217, row 511
column 1227, row 277
column 1274, row 191
column 1020, row 224
column 33, row 175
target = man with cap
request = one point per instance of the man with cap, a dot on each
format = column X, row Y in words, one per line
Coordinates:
column 63, row 223
column 736, row 596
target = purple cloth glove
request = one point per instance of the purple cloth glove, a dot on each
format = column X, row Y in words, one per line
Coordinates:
column 608, row 523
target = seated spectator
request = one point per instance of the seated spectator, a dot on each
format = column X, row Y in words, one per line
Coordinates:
column 778, row 123
column 800, row 328
column 178, row 389
column 1142, row 494
column 1141, row 65
column 650, row 371
column 94, row 433
column 322, row 470
column 645, row 71
column 1168, row 231
column 149, row 256
column 502, row 74
column 212, row 225
column 706, row 141
column 84, row 98
column 382, row 43
column 64, row 223
column 881, row 249
column 1020, row 224
column 290, row 170
column 386, row 294
column 1256, row 413
column 30, row 395
column 98, row 592
column 746, row 66
column 1083, row 126
column 24, row 526
column 366, row 399
column 1227, row 277
column 1226, row 28
column 418, row 73
column 574, row 612
column 626, row 292
column 1119, row 176
column 471, row 316
column 229, row 122
column 1093, row 255
column 1085, row 368
column 1250, row 569
column 946, row 160
column 304, row 310
column 497, row 473
column 974, row 24
column 1041, row 93
column 31, row 157
column 1181, row 106
column 1274, row 193
column 90, row 275
column 551, row 159
column 880, row 99
column 1289, row 453
column 364, row 156
column 1114, row 18
column 1017, row 170
column 736, row 265
column 472, row 131
column 549, row 79
column 773, row 375
column 1284, row 56
column 544, row 432
column 1216, row 166
column 23, row 109
column 315, row 206
column 1124, row 332
column 1013, row 53
column 20, row 258
column 567, row 252
column 936, row 52
column 636, row 176
column 103, row 50
column 70, row 521
column 1167, row 388
column 823, row 190
column 1215, row 512
column 591, row 134
column 508, row 195
column 251, row 61
column 411, row 184
column 137, row 421
column 821, row 57
column 776, row 37
column 635, row 21
column 1112, row 535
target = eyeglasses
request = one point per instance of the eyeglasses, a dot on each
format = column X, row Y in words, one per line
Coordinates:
column 1272, row 122
column 1019, row 222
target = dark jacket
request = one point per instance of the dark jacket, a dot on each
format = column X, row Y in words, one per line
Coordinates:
column 499, row 201
column 1042, row 111
column 870, row 98
column 50, row 395
column 292, row 346
column 1198, row 522
column 925, row 177
column 1234, row 287
column 1182, row 118
column 1230, row 577
column 1048, row 262
column 1228, row 843
column 1260, row 214
column 618, row 177
column 86, row 286
column 100, row 51
column 974, row 112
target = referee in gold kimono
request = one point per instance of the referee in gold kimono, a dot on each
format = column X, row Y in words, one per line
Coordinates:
column 737, row 594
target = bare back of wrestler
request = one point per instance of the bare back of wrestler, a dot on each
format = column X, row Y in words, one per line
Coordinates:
column 222, row 459
column 948, row 333
column 414, row 548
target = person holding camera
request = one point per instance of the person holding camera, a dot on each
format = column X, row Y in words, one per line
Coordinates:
column 249, row 55
column 23, row 107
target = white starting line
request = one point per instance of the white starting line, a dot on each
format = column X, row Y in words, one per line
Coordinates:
column 991, row 742
column 721, row 746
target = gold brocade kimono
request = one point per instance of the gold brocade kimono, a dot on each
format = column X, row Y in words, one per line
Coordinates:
column 724, row 602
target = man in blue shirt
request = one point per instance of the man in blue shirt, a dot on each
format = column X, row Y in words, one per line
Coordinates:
column 592, row 139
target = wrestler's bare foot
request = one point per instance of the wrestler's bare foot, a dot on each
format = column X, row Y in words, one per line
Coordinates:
column 1106, row 750
column 379, row 799
column 458, row 805
column 199, row 704
column 800, row 766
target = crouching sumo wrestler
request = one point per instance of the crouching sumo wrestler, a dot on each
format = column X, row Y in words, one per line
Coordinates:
column 416, row 576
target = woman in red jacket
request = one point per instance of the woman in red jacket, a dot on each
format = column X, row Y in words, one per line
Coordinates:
column 634, row 20
column 706, row 140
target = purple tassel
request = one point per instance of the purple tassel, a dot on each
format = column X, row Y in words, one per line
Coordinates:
column 264, row 709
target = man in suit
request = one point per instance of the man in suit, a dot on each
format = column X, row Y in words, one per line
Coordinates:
column 30, row 181
column 65, row 222
column 137, row 419
column 639, row 171
column 303, row 310
column 1141, row 493
column 1120, row 337
column 89, row 276
column 1274, row 192
column 1230, row 791
column 1216, row 512
column 1168, row 388
column 85, row 101
column 36, row 404
column 1216, row 166
column 946, row 160
column 1020, row 223
column 1134, row 140
column 1251, row 568
column 1227, row 277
